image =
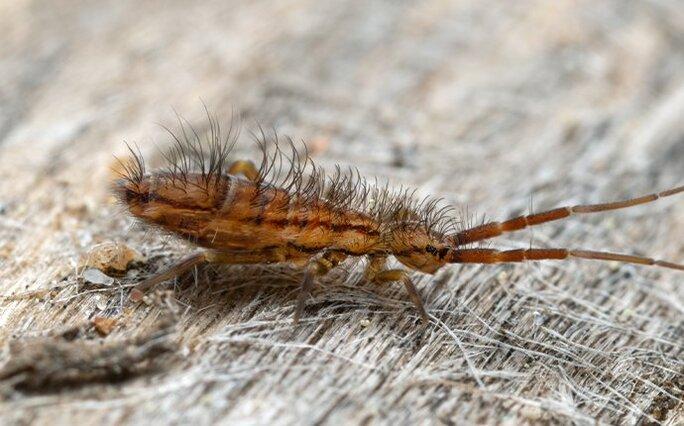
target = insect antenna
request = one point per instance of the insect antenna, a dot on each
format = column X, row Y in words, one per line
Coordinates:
column 494, row 229
column 489, row 256
column 490, row 230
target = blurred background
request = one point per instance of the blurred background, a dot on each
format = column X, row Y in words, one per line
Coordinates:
column 496, row 106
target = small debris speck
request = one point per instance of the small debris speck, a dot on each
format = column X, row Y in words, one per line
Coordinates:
column 538, row 318
column 112, row 258
column 104, row 325
column 95, row 276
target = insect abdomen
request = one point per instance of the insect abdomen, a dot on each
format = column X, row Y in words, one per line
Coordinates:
column 237, row 214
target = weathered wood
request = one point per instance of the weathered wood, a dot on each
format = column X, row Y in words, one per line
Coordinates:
column 499, row 105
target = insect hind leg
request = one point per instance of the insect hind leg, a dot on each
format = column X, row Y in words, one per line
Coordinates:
column 315, row 268
column 175, row 270
column 207, row 257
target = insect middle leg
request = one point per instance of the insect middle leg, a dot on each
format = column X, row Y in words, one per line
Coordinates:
column 315, row 268
column 376, row 272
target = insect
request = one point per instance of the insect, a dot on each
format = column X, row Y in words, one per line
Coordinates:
column 289, row 210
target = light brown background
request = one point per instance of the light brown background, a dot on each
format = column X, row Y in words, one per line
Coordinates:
column 487, row 104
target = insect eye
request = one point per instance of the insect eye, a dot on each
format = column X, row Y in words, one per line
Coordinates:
column 431, row 249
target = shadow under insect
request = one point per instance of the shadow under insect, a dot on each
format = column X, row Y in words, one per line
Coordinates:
column 271, row 293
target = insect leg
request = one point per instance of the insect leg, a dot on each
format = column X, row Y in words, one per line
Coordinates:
column 401, row 275
column 524, row 255
column 494, row 229
column 209, row 256
column 375, row 272
column 245, row 167
column 173, row 271
column 376, row 265
column 315, row 268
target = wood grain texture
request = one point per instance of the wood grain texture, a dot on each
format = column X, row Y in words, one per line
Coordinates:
column 493, row 105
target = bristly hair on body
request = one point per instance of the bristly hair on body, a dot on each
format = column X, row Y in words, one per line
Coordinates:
column 289, row 210
column 282, row 165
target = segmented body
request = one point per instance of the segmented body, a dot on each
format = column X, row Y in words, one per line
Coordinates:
column 245, row 214
column 235, row 214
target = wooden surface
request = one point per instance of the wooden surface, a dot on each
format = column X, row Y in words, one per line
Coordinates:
column 497, row 106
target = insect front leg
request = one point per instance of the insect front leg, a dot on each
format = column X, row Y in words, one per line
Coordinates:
column 376, row 272
column 315, row 268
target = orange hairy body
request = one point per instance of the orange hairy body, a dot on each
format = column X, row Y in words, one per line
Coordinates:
column 234, row 214
column 243, row 214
